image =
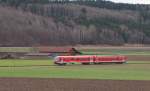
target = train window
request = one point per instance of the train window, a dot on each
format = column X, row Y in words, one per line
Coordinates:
column 78, row 59
column 82, row 59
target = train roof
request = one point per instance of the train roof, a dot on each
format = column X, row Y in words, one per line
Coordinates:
column 77, row 56
column 93, row 55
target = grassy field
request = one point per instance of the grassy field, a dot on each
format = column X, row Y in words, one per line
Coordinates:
column 133, row 70
column 46, row 69
column 16, row 49
column 115, row 52
column 90, row 50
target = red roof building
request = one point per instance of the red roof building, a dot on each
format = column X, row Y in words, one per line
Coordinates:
column 59, row 50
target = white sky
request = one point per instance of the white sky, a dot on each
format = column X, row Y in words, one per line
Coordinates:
column 132, row 1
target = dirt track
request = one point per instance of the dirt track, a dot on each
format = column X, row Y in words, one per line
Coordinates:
column 24, row 84
column 138, row 57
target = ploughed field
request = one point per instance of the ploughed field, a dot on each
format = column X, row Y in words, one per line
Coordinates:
column 48, row 84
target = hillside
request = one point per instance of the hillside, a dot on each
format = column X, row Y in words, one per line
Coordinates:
column 71, row 23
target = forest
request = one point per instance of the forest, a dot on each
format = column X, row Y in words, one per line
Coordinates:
column 65, row 22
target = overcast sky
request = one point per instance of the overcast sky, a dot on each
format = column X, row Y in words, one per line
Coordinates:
column 132, row 1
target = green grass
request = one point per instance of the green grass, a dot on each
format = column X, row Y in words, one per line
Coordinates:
column 16, row 49
column 46, row 69
column 133, row 70
column 17, row 62
column 116, row 52
column 88, row 51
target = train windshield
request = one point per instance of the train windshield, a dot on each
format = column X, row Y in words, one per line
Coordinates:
column 56, row 59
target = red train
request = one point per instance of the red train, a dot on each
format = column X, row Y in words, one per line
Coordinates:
column 90, row 59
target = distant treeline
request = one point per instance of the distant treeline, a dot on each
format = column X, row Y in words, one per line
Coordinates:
column 64, row 22
column 93, row 3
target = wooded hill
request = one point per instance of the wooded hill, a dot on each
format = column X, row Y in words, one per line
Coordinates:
column 64, row 22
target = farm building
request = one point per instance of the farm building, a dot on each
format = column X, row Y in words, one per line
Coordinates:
column 58, row 50
column 50, row 52
column 36, row 52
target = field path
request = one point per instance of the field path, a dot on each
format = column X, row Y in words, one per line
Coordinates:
column 39, row 84
column 138, row 57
